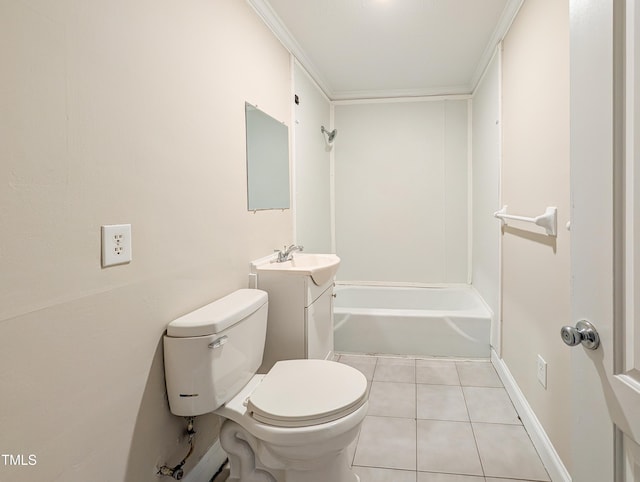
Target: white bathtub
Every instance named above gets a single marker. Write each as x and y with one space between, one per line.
450 321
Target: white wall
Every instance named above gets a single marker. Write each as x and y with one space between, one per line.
535 174
486 190
120 112
401 191
312 166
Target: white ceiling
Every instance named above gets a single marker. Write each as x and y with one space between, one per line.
358 49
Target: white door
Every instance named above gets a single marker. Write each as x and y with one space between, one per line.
605 238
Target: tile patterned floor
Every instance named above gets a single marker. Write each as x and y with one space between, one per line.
434 420
440 421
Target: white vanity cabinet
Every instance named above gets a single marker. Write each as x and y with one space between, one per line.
300 321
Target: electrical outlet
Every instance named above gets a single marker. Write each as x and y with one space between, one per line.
116 244
542 371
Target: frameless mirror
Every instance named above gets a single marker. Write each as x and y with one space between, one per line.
267 161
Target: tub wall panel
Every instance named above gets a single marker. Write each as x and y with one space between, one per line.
401 191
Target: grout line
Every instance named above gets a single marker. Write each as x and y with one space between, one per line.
473 432
466 405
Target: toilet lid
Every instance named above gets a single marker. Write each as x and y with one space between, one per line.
297 393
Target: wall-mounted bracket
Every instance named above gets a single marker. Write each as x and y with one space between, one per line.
548 220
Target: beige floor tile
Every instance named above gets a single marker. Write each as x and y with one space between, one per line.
506 451
395 370
490 405
441 402
447 447
366 364
392 399
478 374
437 372
431 477
387 449
387 442
373 474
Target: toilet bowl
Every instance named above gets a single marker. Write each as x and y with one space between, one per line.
296 434
293 424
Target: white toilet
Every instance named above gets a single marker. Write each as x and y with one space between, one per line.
291 425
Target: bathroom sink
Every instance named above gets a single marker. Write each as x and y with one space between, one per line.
321 267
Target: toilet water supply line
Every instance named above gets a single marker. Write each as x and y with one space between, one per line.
177 472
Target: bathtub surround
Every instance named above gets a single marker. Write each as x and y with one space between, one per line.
120 112
401 190
312 166
486 150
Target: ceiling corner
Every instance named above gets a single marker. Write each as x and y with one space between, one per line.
509 13
282 33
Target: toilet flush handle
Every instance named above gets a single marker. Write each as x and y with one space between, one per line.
219 342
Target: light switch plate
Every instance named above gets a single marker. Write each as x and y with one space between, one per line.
116 244
542 371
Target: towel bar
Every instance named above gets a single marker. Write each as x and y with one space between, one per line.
548 220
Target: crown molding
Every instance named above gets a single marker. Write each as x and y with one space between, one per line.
446 91
282 33
509 13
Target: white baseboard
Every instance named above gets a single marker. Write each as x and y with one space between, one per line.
208 465
550 458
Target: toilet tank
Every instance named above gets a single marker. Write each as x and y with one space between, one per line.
212 352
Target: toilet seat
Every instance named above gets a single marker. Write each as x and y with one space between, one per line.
300 393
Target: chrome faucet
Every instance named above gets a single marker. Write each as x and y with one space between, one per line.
286 254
